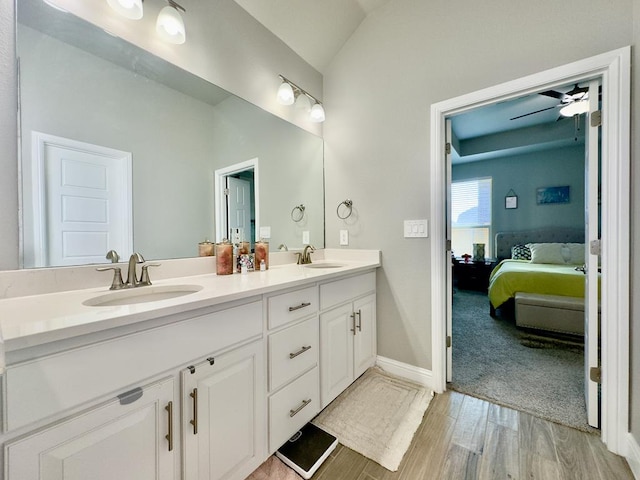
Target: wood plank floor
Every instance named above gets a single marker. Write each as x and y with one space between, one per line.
462 437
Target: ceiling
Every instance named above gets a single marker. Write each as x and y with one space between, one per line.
314 29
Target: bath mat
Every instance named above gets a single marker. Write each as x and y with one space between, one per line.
377 416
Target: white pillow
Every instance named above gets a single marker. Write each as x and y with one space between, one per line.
557 253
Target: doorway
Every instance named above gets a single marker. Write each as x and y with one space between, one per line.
237 202
613 68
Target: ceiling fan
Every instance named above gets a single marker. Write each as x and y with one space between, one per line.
576 94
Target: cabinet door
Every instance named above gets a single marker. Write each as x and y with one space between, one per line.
224 415
336 352
124 439
364 342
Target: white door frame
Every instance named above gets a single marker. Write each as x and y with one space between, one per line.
614 70
220 179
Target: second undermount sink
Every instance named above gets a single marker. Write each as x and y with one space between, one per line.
324 265
141 295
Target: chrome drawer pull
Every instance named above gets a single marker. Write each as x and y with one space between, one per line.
293 413
299 352
359 313
302 305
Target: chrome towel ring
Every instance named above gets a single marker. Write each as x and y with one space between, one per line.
297 213
348 209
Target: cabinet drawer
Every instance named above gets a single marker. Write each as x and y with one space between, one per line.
49 385
292 407
341 291
292 306
292 351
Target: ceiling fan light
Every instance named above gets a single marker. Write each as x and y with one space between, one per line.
170 25
575 108
131 9
317 113
285 94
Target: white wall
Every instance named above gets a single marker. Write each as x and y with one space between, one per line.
405 56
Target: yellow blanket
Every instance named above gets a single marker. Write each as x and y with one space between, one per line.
511 276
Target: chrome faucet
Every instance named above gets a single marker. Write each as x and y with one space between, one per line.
304 258
132 276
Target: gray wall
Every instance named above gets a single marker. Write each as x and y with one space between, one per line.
524 174
405 56
635 225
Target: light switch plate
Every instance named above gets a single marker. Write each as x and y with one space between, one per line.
305 237
265 232
416 228
344 237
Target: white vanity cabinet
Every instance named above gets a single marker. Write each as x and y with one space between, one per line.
129 438
347 332
223 416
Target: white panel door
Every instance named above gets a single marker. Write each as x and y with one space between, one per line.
85 202
223 415
592 327
336 352
239 205
127 441
448 262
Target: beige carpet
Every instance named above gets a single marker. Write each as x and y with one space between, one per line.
377 416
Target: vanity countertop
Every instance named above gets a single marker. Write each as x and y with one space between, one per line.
34 320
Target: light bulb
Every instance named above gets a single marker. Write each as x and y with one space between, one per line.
131 9
317 113
170 25
303 103
285 94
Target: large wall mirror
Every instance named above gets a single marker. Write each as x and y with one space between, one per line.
120 149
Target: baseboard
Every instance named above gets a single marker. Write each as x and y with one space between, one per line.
418 375
633 455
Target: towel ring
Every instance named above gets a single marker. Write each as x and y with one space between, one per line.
297 213
349 206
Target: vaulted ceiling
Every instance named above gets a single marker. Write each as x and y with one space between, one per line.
314 29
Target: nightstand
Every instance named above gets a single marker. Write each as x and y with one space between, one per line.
473 275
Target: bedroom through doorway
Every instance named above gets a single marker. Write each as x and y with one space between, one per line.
517 200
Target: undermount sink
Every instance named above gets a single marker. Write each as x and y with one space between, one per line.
324 265
141 295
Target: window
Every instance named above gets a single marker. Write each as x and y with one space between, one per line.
470 215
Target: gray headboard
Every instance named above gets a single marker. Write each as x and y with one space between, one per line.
506 240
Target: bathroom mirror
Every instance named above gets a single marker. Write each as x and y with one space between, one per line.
89 101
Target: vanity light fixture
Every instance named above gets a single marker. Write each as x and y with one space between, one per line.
170 25
131 9
290 93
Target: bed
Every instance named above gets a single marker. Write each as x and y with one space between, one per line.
547 286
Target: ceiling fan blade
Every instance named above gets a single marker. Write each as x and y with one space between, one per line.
531 113
577 91
553 94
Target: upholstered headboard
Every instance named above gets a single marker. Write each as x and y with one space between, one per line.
506 240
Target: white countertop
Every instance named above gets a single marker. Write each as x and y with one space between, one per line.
38 319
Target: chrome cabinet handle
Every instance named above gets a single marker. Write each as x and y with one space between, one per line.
359 313
293 413
298 307
299 352
353 318
169 436
194 422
